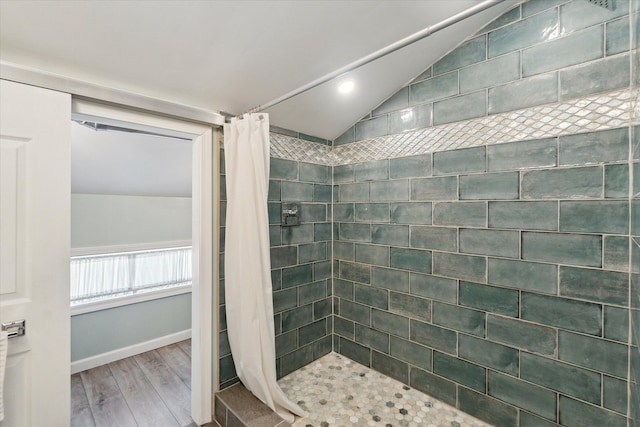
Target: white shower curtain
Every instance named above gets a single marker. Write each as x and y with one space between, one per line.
247 262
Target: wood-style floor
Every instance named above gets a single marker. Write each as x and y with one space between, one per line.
150 389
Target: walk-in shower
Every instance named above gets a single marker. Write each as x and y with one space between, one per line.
475 237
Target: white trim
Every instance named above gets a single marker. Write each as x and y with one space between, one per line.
126 117
203 302
40 78
99 250
114 302
204 193
132 350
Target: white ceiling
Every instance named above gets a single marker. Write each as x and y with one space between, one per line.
234 55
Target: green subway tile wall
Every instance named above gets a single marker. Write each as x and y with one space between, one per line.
503 279
509 290
301 267
540 52
520 296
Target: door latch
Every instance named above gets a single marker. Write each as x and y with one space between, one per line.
16 328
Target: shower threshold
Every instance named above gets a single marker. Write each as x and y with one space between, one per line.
336 391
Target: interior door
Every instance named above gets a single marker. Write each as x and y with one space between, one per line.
35 139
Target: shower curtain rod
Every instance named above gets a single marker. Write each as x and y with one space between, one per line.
380 53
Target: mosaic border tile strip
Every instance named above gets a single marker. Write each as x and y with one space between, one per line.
290 148
587 114
300 150
336 391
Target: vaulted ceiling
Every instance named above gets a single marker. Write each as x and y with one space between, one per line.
234 55
131 164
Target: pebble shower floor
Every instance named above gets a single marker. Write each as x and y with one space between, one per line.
336 391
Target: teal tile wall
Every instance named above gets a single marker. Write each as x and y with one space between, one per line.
500 282
539 52
634 259
595 77
528 92
434 88
458 108
497 278
467 53
494 72
527 396
459 161
299 135
301 267
522 302
577 48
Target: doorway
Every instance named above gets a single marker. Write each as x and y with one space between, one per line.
203 170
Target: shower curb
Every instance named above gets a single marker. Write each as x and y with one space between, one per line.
235 406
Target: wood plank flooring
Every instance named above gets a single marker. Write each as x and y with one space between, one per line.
150 389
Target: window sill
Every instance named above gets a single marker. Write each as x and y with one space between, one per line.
120 301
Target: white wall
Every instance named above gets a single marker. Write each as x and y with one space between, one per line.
109 220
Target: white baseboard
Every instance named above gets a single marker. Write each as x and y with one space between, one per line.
132 350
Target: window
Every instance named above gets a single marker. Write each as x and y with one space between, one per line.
106 276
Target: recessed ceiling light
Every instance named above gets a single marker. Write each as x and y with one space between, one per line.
346 87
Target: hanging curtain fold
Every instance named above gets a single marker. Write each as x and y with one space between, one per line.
247 264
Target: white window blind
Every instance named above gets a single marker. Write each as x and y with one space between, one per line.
97 277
